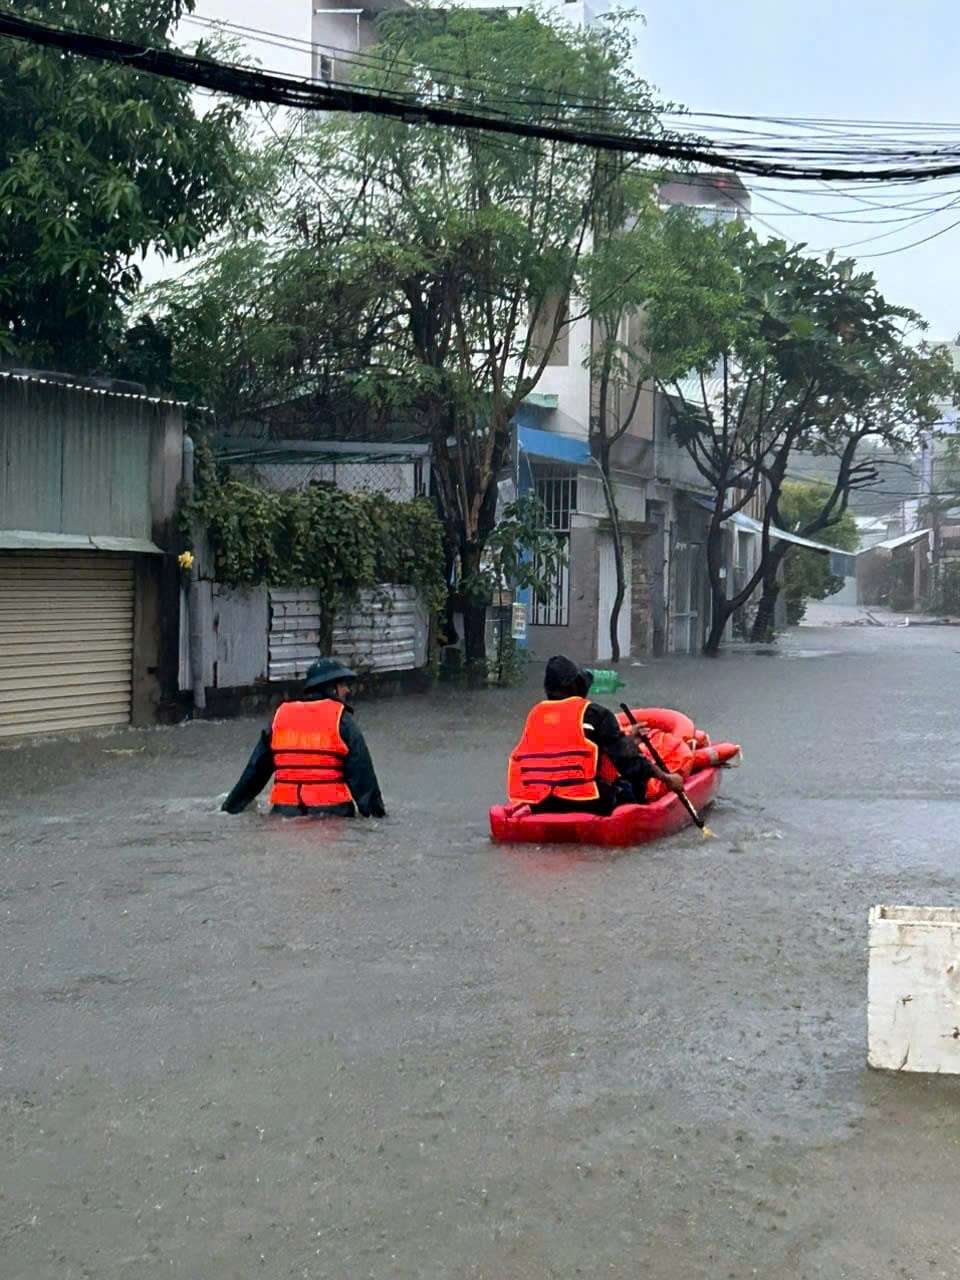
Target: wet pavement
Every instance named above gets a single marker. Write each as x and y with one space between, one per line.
236 1047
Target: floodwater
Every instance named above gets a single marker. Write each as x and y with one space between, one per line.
239 1047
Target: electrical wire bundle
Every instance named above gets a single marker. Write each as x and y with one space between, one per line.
889 156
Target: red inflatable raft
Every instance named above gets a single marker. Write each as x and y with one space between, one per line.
683 747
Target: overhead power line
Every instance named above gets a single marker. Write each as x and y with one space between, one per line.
906 164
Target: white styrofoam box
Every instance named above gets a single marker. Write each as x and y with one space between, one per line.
913 1015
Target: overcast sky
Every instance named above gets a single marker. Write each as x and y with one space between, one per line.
863 59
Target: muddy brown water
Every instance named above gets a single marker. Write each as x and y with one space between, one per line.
237 1047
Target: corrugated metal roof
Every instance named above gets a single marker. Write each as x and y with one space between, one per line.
904 540
99 391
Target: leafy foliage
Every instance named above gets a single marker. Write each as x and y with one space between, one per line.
337 541
263 322
97 165
522 552
419 274
807 354
807 573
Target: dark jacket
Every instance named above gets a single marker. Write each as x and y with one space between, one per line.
602 727
358 772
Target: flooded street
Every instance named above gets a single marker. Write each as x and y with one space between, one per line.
236 1048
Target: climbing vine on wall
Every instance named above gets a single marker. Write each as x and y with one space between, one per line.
319 537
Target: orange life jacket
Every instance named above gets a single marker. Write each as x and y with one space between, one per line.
308 754
554 757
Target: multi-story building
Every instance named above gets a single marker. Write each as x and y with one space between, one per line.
661 497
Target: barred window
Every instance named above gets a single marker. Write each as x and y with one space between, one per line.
556 487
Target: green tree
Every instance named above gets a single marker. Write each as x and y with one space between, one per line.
98 165
297 318
807 573
480 238
618 277
892 403
794 343
522 553
420 273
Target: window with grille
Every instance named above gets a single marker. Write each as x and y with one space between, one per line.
556 487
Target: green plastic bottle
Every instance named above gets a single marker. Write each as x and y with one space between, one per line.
604 681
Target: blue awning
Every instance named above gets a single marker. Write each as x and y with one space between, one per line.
549 444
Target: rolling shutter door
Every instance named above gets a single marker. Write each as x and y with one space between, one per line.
66 641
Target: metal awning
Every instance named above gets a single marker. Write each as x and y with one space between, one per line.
741 521
550 444
904 540
38 540
783 535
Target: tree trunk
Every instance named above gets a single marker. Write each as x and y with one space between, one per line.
720 609
617 605
475 637
614 513
721 615
474 615
762 631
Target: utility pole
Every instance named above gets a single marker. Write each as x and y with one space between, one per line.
934 507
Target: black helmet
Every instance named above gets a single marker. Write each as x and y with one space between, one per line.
326 671
566 679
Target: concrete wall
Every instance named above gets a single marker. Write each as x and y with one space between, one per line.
570 381
338 37
639 599
579 638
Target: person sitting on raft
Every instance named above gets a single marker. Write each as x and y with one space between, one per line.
573 756
322 764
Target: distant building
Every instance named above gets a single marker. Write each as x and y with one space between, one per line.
339 32
717 197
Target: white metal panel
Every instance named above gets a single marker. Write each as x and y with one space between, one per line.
66 641
387 630
294 632
913 1018
241 624
683 614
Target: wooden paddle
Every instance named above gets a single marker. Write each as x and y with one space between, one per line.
658 761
